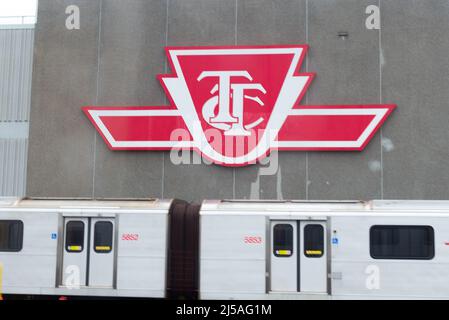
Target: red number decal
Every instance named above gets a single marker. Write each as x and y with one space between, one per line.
252 240
130 237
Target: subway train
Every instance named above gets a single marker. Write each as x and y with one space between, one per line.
224 249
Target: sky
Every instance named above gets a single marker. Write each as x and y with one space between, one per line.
18 8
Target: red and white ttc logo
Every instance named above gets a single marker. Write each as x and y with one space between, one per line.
234 105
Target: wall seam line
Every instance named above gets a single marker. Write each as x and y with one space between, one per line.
306 95
97 95
380 101
165 97
235 43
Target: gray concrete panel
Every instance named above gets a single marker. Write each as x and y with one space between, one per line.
270 181
199 22
196 182
271 22
415 76
133 34
347 72
60 162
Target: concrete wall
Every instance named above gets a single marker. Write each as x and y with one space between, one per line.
114 58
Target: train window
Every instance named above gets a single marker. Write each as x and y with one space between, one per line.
74 241
402 242
313 240
11 235
283 240
103 237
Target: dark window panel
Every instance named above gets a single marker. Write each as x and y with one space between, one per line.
103 236
283 240
11 235
74 241
402 242
313 240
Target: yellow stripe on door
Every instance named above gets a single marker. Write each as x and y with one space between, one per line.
314 252
102 248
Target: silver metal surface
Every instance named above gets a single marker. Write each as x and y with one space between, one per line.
59 251
101 264
13 166
116 240
268 242
284 269
16 61
328 249
74 264
312 270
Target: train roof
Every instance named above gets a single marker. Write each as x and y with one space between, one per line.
84 204
319 206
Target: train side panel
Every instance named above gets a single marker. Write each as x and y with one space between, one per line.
357 275
142 253
233 251
34 267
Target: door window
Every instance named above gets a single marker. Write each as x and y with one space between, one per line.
74 236
103 237
313 240
283 240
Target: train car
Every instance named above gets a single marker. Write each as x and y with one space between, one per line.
102 248
225 249
324 250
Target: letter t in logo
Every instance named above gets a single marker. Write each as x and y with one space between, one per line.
224 86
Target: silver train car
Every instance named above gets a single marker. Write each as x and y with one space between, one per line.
324 250
83 247
225 249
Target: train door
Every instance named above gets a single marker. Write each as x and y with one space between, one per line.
88 254
312 256
101 257
284 261
75 251
298 256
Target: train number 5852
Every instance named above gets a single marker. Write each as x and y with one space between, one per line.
130 237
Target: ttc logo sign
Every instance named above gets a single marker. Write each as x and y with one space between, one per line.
234 105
